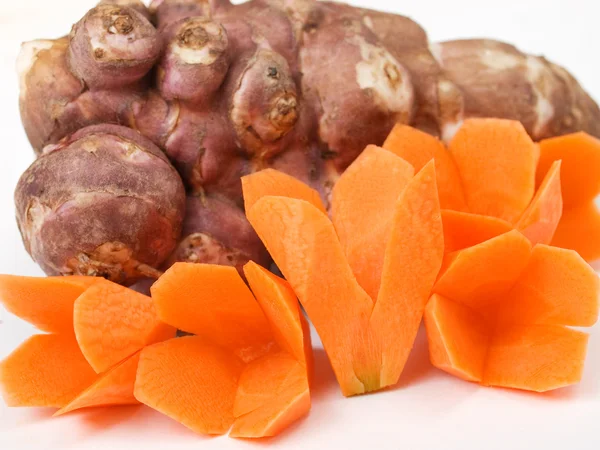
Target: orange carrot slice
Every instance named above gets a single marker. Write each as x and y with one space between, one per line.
478 276
418 148
497 161
115 387
215 303
280 306
539 221
272 394
413 258
579 230
191 381
273 182
580 172
303 243
556 288
113 322
363 205
463 230
46 370
46 303
535 357
458 338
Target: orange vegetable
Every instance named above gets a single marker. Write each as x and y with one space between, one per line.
418 148
462 230
46 303
113 322
579 230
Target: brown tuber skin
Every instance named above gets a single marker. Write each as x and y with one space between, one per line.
103 202
298 85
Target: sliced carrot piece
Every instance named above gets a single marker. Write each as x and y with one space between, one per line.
363 205
46 370
535 357
303 243
280 306
273 393
458 338
46 303
463 230
418 148
191 381
539 221
114 387
273 182
478 276
113 322
214 302
556 288
497 161
579 230
413 258
580 172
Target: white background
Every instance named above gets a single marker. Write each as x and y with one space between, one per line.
428 410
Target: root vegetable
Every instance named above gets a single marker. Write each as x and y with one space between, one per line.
103 202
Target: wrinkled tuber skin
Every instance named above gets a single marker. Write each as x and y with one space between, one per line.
215 231
298 85
103 202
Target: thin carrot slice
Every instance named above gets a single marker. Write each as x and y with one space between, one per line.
497 161
191 381
418 148
363 205
214 302
580 172
273 182
46 303
272 394
463 230
303 243
479 276
47 370
535 357
458 338
556 288
114 387
280 306
413 258
113 322
539 221
579 230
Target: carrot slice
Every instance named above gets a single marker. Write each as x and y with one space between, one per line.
273 182
579 230
191 381
580 172
115 387
535 357
418 148
214 302
113 322
46 370
363 206
539 221
272 394
280 306
458 338
463 230
303 243
556 288
478 276
497 161
46 303
413 258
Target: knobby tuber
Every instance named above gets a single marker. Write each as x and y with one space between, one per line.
297 85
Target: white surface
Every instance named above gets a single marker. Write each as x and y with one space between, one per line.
428 410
